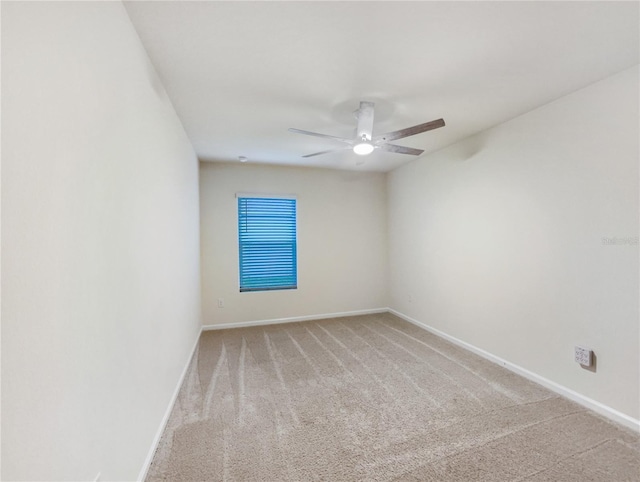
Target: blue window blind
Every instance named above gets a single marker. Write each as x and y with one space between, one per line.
267 240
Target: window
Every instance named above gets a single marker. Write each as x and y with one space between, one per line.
267 243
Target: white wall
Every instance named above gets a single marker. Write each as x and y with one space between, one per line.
498 239
342 241
100 248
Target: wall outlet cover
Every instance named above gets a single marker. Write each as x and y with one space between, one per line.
583 356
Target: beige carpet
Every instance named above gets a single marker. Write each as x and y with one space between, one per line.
373 398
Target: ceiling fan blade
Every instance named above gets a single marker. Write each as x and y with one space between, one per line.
410 131
325 152
316 134
401 149
365 121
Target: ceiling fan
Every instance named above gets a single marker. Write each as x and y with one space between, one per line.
365 142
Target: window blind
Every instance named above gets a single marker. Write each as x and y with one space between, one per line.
267 242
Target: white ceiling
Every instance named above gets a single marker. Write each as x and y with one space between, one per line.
240 73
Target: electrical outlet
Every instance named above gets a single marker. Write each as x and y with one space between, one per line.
583 356
410 299
220 302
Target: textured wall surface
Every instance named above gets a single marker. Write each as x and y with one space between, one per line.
523 241
100 245
342 241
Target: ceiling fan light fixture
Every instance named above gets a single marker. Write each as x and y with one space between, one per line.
365 142
363 149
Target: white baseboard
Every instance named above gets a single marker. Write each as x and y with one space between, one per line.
587 402
275 321
154 446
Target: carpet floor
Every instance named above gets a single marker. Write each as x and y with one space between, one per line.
374 398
